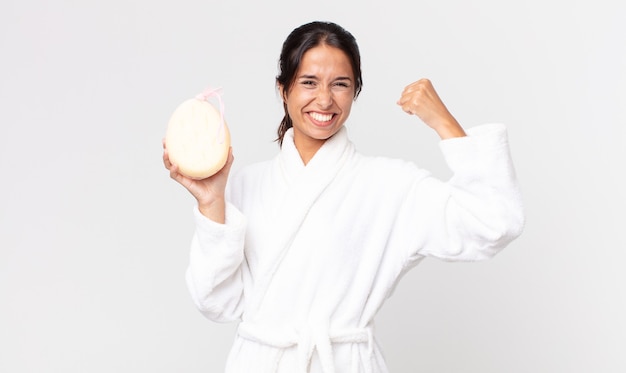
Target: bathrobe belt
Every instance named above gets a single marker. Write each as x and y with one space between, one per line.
310 339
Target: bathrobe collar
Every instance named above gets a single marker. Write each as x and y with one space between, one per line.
305 184
326 161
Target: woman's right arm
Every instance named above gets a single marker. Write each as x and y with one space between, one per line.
216 264
214 275
209 192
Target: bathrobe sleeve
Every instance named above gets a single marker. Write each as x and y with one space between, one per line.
214 274
477 212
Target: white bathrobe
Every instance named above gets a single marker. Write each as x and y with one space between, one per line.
309 254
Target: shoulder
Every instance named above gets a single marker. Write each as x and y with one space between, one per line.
249 173
390 168
240 180
383 175
250 170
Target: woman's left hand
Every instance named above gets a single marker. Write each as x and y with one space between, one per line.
421 99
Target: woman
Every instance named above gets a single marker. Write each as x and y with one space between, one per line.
304 249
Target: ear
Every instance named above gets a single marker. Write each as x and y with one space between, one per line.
282 92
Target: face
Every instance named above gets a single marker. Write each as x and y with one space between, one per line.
320 99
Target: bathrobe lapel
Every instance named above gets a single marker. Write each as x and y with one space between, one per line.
305 184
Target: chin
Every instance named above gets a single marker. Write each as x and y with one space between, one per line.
329 130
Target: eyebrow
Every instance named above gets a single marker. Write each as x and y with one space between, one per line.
305 76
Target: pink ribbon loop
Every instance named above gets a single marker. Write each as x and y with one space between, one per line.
216 93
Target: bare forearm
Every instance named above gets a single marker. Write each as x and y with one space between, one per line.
421 99
450 129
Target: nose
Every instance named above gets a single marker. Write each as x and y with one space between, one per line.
324 97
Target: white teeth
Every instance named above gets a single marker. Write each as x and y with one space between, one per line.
321 117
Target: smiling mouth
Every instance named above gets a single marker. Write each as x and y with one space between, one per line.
322 118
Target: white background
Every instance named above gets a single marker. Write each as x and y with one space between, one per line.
94 235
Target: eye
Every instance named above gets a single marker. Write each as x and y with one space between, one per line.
308 83
342 84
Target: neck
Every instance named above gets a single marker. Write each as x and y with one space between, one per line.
308 149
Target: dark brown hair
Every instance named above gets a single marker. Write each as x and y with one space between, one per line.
302 39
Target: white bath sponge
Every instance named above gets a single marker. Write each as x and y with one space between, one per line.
197 138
